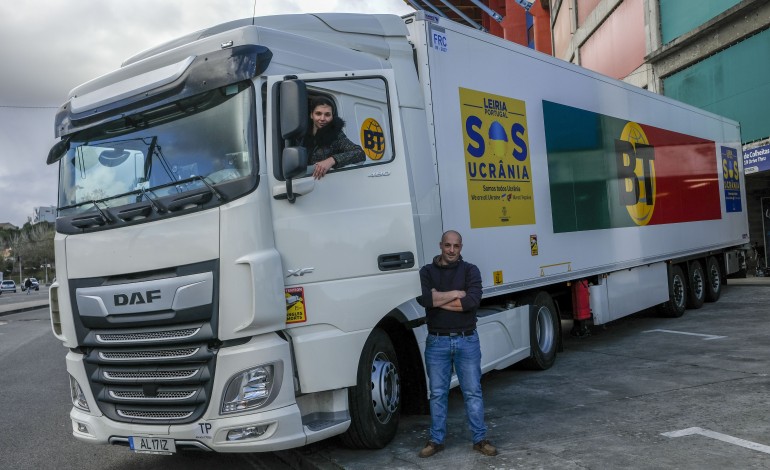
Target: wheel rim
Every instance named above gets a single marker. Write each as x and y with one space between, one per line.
544 329
678 285
714 277
698 284
386 388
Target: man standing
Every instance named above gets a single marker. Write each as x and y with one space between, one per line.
451 293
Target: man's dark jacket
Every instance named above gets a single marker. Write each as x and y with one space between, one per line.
454 276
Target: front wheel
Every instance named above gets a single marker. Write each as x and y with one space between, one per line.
543 331
375 402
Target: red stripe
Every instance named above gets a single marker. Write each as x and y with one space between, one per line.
686 177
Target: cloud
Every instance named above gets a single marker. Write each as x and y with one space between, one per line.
48 47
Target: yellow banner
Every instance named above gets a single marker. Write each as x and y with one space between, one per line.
497 160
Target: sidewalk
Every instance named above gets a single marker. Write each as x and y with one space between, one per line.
749 281
7 309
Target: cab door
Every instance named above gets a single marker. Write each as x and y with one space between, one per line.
347 242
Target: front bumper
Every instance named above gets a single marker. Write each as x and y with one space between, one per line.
282 417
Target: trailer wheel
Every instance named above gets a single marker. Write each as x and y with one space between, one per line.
677 294
543 331
696 285
713 280
375 400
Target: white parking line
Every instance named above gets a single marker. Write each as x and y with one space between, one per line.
720 437
705 337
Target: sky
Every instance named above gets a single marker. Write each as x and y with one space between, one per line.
48 47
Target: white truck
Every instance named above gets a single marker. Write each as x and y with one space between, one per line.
214 296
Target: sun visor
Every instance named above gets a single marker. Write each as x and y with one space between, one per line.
129 87
193 75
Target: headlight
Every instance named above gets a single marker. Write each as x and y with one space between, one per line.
248 389
77 395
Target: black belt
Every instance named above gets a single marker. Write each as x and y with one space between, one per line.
458 333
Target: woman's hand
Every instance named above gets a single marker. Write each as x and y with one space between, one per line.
323 167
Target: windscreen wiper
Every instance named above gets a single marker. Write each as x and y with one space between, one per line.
91 220
155 203
214 190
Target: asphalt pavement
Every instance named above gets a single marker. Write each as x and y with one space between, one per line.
642 392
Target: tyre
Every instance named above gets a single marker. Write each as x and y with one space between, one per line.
713 280
696 285
543 331
677 294
375 401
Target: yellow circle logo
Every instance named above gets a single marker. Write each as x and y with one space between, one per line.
641 211
373 139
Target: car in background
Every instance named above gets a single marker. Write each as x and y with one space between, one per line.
7 286
35 284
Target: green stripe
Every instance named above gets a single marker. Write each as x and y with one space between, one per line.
582 170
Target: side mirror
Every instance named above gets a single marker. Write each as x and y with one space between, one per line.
293 109
58 150
293 162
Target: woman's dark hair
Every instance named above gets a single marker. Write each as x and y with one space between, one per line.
322 101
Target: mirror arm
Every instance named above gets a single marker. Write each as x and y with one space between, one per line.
290 196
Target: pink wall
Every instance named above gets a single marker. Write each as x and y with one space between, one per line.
584 8
562 31
618 46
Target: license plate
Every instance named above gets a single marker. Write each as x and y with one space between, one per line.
152 445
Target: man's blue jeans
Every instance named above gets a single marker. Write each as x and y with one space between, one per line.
464 352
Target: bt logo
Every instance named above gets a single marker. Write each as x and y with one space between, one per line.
635 159
373 139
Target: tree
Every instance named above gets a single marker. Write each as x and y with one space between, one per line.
31 247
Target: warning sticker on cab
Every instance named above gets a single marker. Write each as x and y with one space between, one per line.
295 305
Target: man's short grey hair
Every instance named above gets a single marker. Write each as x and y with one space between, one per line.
443 236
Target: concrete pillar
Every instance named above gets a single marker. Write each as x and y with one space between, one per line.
515 23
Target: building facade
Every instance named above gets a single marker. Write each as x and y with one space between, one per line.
44 214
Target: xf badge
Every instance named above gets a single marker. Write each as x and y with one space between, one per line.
299 272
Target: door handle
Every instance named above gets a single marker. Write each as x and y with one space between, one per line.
393 261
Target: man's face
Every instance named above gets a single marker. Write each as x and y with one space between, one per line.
321 116
450 248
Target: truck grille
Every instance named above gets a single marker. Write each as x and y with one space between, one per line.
148 355
154 415
123 338
149 385
139 376
121 395
150 362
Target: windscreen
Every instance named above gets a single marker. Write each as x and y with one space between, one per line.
204 140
